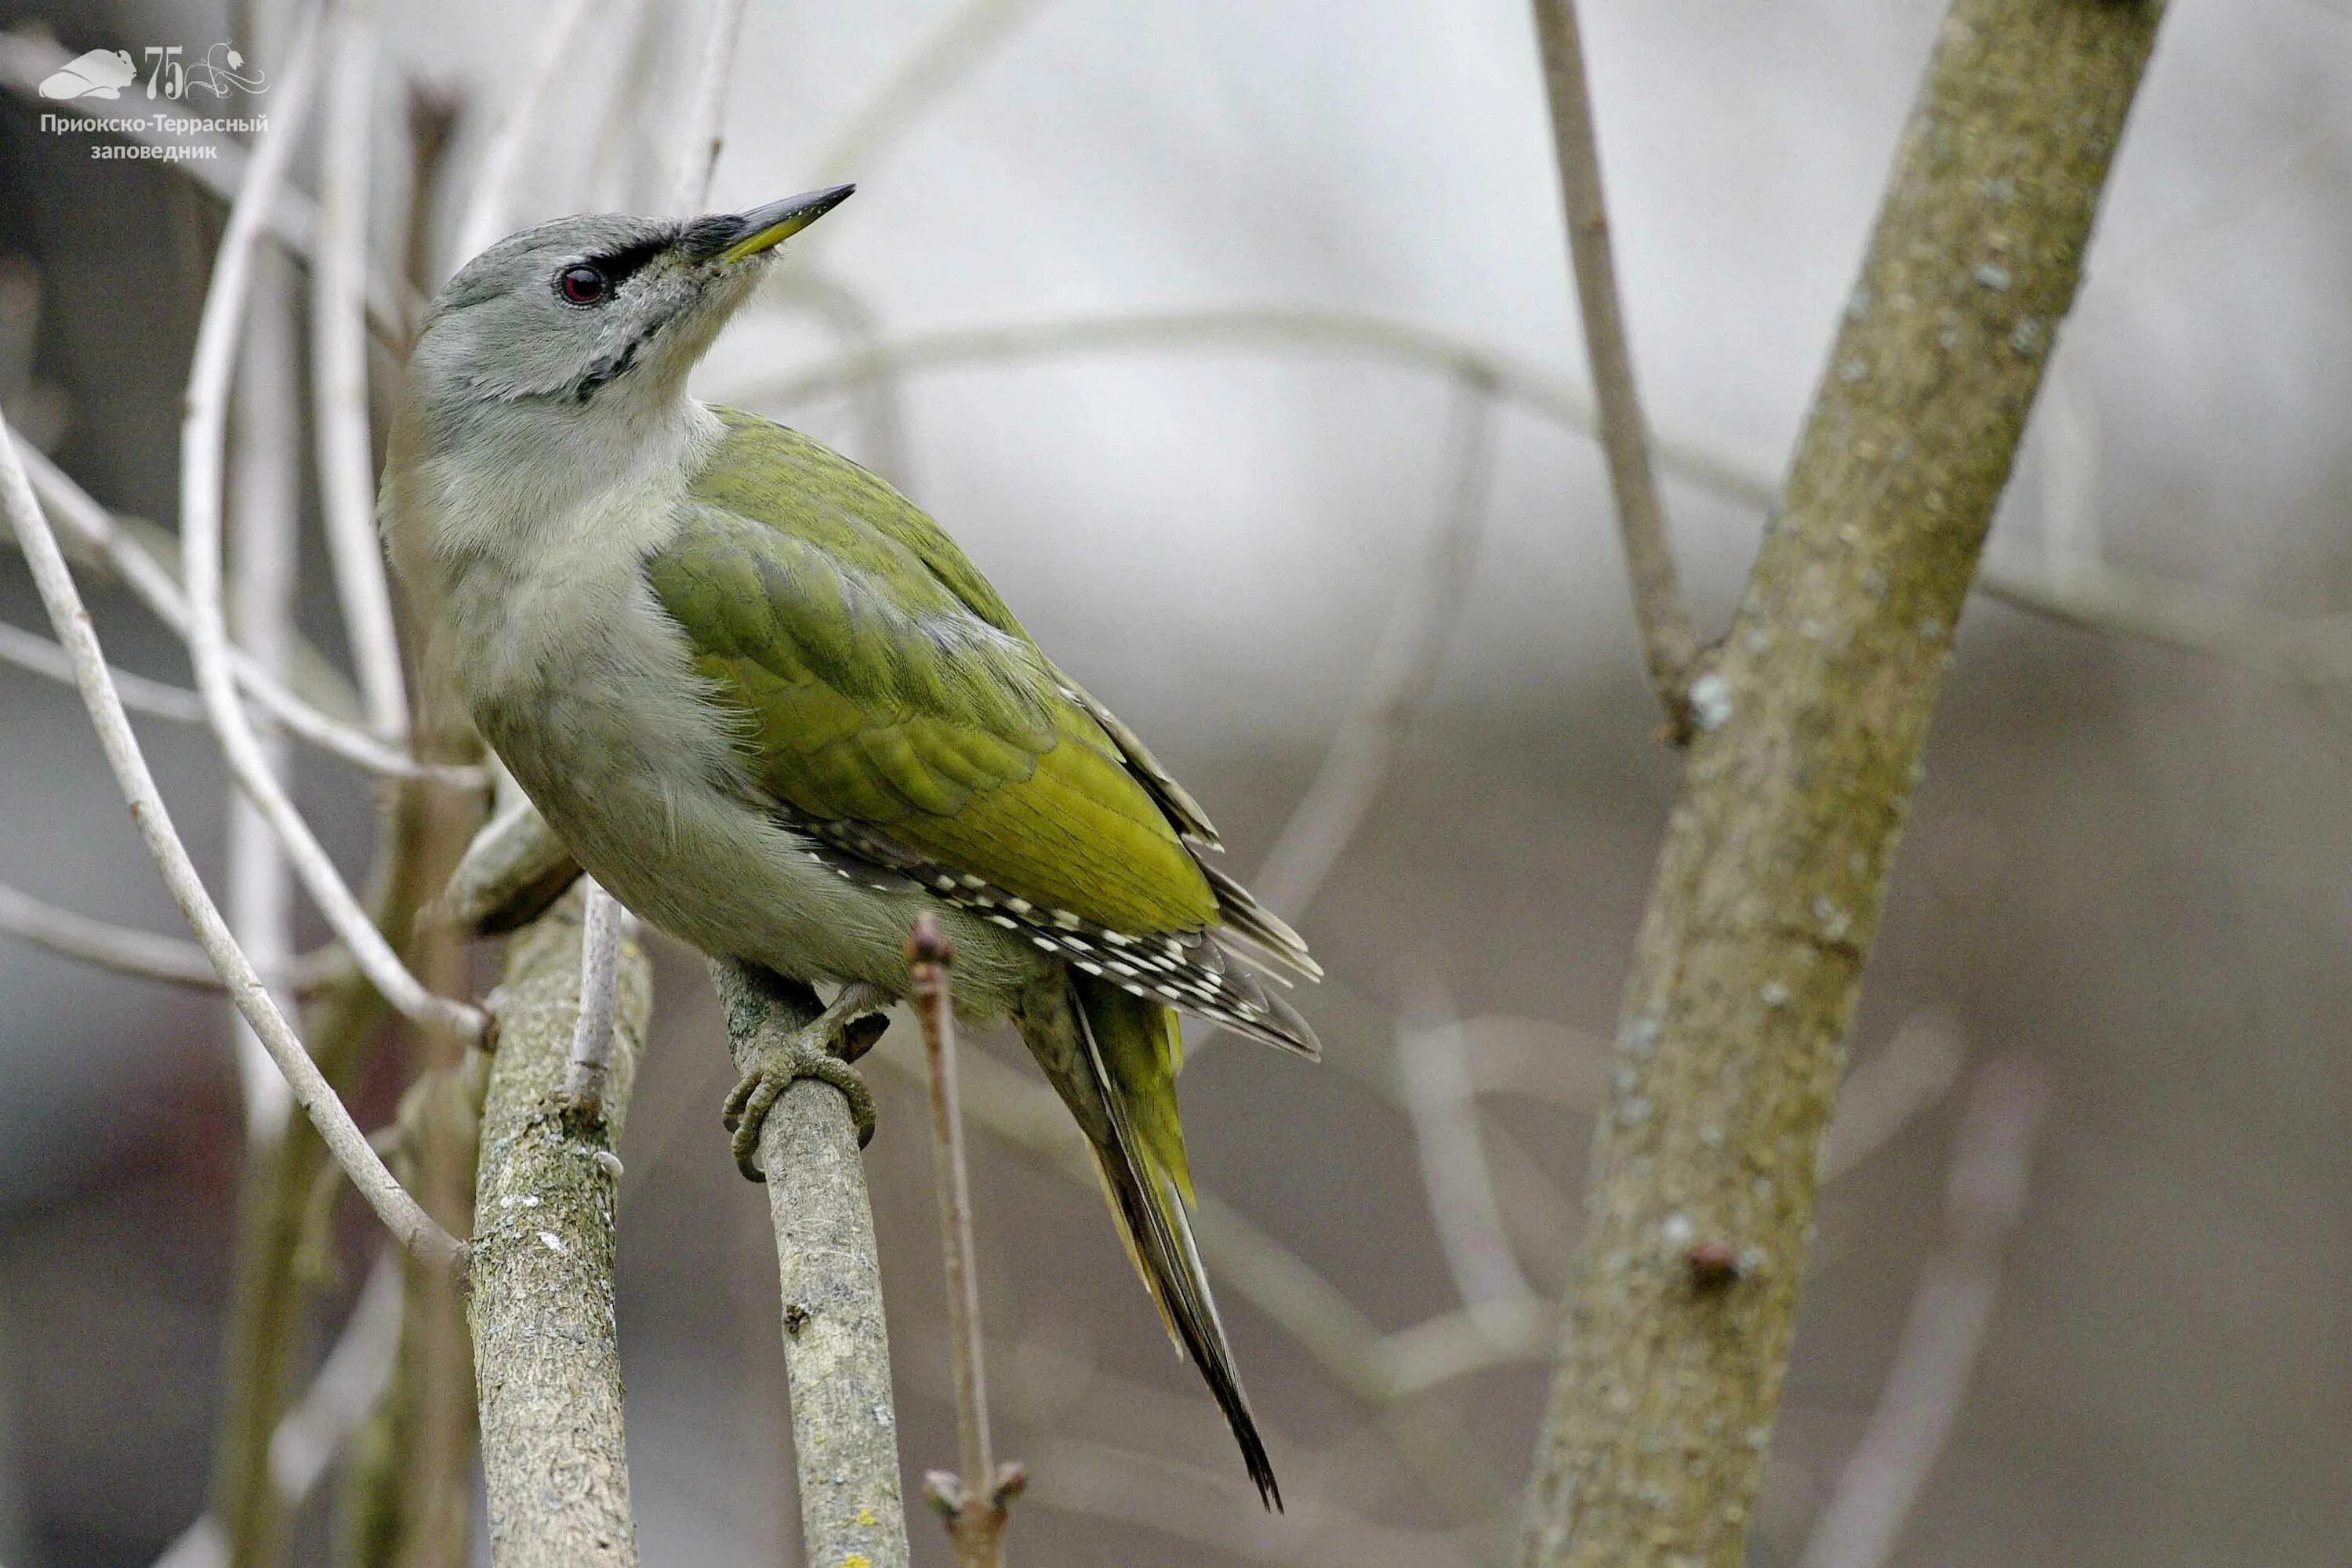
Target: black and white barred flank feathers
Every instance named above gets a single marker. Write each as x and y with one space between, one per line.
1190 971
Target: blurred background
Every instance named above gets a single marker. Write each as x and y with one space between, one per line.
2123 890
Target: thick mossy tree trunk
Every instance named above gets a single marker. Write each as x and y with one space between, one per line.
1810 729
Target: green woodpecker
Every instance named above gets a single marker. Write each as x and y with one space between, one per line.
774 710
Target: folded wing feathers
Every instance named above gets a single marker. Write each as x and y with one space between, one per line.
1189 970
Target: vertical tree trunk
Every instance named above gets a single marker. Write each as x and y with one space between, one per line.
1775 866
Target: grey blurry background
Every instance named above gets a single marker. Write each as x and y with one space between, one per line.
2127 863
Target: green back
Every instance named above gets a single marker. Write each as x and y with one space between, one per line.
882 684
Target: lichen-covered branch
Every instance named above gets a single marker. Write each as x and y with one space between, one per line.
1776 862
837 1345
546 1357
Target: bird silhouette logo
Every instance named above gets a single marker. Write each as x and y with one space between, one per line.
100 73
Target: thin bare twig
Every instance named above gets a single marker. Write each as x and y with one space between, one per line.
603 925
1404 667
409 1223
2312 650
1434 1070
705 120
311 1434
1257 328
44 656
490 206
339 377
1193 1503
144 953
200 532
1669 641
1921 1398
256 892
98 534
974 1503
958 43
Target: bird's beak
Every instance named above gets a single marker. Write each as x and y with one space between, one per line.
765 228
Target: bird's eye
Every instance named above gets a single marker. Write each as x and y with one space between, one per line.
583 284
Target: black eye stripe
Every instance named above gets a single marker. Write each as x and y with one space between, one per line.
617 264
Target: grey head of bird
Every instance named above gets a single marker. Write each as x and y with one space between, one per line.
585 315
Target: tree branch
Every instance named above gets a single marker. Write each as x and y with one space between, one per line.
45 657
836 1344
1669 642
339 377
706 109
2106 598
547 1362
489 205
143 953
1777 856
589 1066
200 536
99 534
1403 669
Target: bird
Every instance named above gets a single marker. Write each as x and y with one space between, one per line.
777 713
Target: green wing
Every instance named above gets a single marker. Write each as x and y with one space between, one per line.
883 689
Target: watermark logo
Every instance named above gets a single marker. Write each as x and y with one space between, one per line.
170 77
104 73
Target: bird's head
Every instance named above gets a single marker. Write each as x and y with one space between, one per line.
598 308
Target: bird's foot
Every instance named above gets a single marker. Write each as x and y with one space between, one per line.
823 1049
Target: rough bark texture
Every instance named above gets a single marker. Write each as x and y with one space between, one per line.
1775 866
547 1358
836 1347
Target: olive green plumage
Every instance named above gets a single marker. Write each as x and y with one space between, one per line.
883 682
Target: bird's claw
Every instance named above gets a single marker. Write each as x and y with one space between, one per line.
823 1051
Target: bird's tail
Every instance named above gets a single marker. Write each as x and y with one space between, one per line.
1114 1058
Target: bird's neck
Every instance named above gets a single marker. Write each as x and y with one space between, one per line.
501 485
490 509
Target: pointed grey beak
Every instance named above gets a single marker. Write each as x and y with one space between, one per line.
765 228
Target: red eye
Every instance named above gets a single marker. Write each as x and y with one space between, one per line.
583 285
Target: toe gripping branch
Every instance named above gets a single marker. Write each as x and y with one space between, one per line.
822 1049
